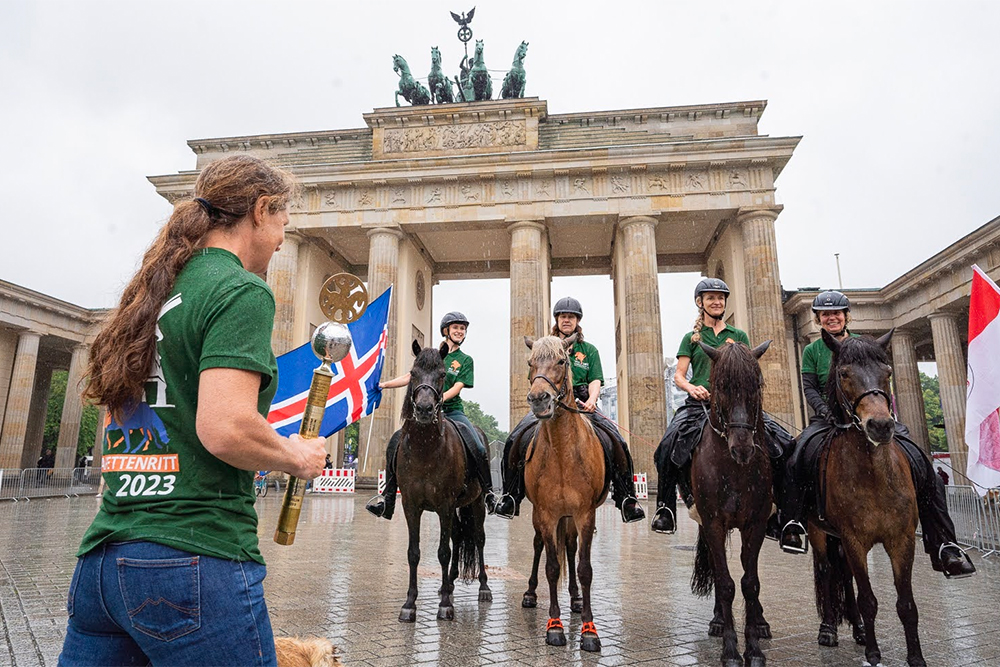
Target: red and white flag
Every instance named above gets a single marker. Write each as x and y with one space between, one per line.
982 412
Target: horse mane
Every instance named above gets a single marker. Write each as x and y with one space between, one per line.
429 359
738 372
853 351
547 347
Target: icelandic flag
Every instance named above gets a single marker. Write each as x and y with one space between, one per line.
982 419
354 391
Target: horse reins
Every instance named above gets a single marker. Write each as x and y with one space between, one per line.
438 396
852 410
723 432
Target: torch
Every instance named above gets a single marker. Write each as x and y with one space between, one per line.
343 298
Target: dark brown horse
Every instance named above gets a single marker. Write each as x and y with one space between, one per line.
564 480
731 484
868 498
433 475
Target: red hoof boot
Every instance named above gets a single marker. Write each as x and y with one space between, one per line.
589 641
554 635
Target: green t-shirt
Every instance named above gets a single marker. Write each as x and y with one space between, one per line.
162 484
586 362
701 365
457 368
817 357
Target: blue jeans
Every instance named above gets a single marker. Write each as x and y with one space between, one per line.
140 603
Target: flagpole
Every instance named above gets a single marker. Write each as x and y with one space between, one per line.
371 421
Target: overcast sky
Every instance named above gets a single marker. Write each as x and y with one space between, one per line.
897 102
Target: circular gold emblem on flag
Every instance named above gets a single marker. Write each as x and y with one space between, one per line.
343 298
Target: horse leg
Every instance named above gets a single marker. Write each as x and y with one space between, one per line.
900 552
554 634
589 641
446 612
857 558
408 614
725 592
575 601
826 578
755 627
851 610
530 599
485 594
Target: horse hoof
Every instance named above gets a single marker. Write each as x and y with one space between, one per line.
529 601
715 629
555 638
407 615
486 596
732 662
756 661
446 613
827 638
859 635
590 642
576 605
763 631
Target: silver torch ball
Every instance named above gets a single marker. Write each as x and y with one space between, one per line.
331 341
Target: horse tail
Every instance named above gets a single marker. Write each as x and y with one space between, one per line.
466 553
703 577
831 576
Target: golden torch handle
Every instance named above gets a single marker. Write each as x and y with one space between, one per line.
291 504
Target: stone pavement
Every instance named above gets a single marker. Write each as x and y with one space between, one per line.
345 578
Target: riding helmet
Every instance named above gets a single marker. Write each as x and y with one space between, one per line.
454 317
711 285
831 300
568 304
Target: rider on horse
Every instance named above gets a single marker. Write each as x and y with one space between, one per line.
587 380
832 312
458 375
673 455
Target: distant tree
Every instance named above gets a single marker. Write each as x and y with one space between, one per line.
351 438
484 421
53 418
933 413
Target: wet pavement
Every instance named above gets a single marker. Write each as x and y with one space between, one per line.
345 578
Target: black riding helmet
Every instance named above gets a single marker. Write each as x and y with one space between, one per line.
831 300
568 304
711 285
454 317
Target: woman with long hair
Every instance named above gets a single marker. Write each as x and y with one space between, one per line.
170 570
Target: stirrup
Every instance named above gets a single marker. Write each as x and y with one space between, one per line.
787 548
640 514
673 519
960 550
499 504
376 505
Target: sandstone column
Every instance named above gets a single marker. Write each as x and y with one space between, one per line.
35 433
99 438
952 380
15 423
763 300
646 394
909 395
529 304
281 276
383 266
69 425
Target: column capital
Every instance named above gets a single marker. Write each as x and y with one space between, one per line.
28 333
526 224
748 213
943 315
628 220
388 231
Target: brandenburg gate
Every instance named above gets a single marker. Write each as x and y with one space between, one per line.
503 189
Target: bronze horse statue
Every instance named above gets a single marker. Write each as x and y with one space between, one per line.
866 497
564 479
438 82
513 82
434 476
731 484
412 90
482 85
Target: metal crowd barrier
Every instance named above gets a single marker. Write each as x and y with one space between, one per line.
976 518
10 483
27 483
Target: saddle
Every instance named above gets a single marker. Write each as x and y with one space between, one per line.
471 450
524 434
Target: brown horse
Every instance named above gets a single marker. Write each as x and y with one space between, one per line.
868 497
564 480
433 474
731 484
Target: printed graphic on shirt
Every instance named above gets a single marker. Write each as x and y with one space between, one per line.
455 367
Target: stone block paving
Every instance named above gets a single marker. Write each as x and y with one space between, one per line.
345 578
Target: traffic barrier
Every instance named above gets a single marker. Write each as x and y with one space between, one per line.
339 480
10 484
381 483
641 486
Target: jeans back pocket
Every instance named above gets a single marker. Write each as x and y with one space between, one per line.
162 596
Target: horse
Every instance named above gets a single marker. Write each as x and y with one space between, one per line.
433 474
731 484
867 496
439 84
564 479
513 82
482 85
412 90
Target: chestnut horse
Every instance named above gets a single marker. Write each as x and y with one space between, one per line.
433 474
868 498
731 484
564 480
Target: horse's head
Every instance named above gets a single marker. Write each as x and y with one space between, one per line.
736 396
479 50
399 64
858 386
435 56
521 52
423 396
549 373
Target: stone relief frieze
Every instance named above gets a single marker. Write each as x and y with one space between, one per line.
468 135
620 184
434 196
580 186
657 183
398 195
331 199
695 180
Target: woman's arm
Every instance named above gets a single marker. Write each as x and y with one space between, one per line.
814 395
453 391
232 430
395 383
594 393
680 379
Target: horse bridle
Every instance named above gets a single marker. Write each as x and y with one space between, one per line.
852 409
438 396
561 391
723 432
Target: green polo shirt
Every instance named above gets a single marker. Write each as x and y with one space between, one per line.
817 358
586 361
701 365
458 367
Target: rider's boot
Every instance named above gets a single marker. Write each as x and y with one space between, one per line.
665 517
513 482
623 493
952 561
385 504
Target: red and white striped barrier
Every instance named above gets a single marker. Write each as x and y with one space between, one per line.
381 483
641 486
339 480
